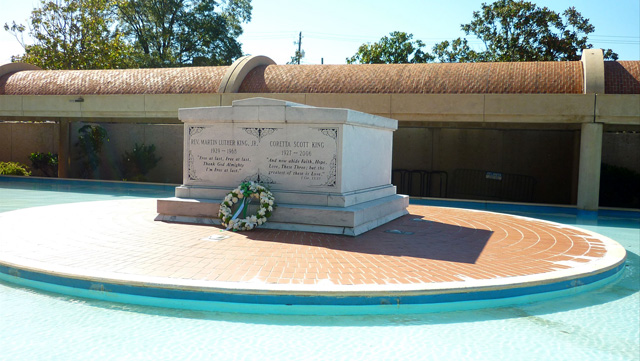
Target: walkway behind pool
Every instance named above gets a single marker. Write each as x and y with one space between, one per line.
431 250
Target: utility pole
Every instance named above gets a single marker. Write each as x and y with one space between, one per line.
299 53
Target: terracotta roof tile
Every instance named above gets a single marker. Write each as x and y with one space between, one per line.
622 77
524 77
436 78
117 81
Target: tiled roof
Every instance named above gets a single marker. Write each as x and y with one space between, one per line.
524 77
116 81
437 78
622 77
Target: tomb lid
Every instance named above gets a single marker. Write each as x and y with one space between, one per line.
262 102
266 110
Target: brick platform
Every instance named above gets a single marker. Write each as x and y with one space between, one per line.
430 250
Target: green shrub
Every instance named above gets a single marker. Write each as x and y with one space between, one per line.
139 162
45 162
14 168
90 141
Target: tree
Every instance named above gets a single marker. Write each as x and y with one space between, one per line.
457 50
89 145
96 34
399 48
136 165
517 30
184 32
47 163
73 34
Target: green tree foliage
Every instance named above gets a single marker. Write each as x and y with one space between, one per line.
397 48
89 145
14 168
73 34
511 30
456 51
517 30
184 32
47 163
139 162
107 34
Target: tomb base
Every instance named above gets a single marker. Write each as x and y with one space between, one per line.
296 197
351 220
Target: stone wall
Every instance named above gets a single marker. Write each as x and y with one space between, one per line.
546 157
19 139
622 149
123 137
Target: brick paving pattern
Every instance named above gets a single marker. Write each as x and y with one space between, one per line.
430 245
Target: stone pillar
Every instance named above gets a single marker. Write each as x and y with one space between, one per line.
238 71
15 67
63 149
593 71
590 161
591 134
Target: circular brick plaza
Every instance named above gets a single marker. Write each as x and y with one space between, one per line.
431 255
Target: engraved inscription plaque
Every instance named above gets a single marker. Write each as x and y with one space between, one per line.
292 157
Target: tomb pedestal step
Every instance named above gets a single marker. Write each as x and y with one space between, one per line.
351 221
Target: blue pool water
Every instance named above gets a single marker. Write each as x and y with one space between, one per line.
597 325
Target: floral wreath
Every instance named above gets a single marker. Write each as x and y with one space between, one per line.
243 194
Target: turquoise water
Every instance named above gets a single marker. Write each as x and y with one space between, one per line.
18 192
598 325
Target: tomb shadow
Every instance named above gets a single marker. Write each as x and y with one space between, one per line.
407 236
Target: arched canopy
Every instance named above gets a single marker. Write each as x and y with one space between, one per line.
621 77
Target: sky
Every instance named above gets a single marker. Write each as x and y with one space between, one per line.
332 30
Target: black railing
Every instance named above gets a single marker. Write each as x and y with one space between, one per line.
420 183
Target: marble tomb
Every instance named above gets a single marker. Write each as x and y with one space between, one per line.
329 169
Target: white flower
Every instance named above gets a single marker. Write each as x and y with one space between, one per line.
245 192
